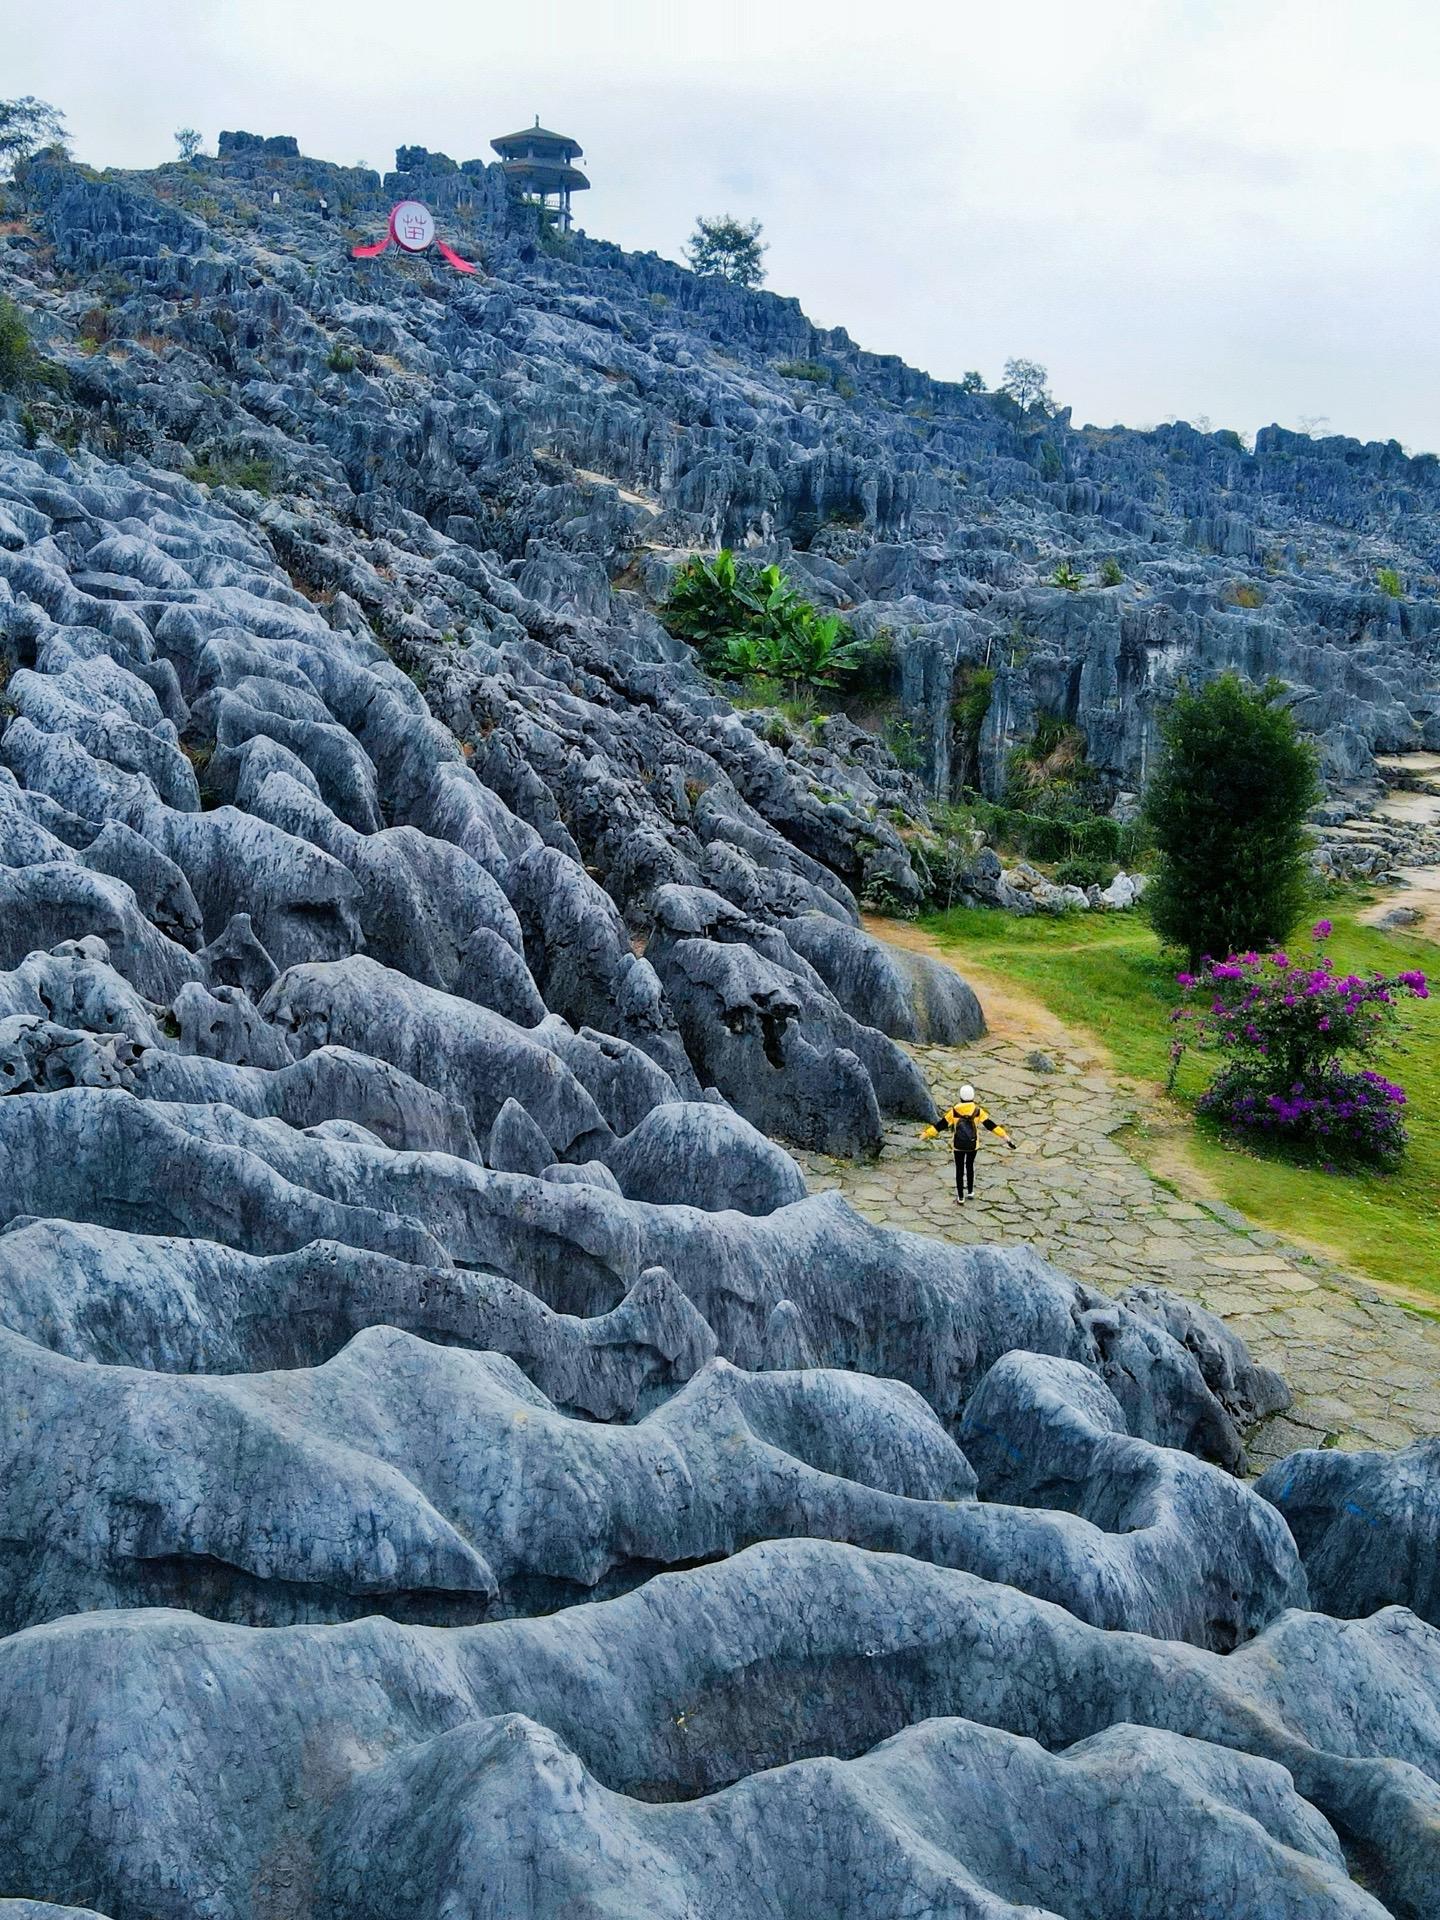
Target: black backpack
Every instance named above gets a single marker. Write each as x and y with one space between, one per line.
967 1132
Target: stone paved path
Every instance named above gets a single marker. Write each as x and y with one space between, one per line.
1364 1371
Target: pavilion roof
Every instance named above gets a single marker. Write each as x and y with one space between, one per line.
537 136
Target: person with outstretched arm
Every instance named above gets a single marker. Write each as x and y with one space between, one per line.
966 1118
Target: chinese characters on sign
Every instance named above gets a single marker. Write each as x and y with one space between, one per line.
412 226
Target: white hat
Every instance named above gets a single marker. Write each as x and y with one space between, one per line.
967 1093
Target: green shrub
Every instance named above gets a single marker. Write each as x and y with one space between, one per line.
876 677
1111 574
904 746
812 370
1243 593
1389 581
1061 836
747 621
1097 839
1067 577
968 708
17 355
256 474
1227 805
340 359
880 895
1050 775
1078 871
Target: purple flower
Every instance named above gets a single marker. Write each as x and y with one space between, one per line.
1322 930
1184 979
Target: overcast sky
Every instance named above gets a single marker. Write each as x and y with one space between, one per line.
1227 209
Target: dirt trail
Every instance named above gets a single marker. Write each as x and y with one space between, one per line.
1009 1010
1422 892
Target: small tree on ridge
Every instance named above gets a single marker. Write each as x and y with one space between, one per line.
27 125
728 247
1027 384
1227 805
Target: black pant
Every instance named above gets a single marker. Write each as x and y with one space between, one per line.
964 1171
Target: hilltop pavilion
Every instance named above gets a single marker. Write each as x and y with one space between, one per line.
541 163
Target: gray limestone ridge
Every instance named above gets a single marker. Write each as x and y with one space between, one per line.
448 1466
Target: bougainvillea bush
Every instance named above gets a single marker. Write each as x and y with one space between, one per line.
1293 1032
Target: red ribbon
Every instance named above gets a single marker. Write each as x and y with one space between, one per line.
449 253
460 266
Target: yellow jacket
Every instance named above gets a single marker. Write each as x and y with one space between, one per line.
967 1110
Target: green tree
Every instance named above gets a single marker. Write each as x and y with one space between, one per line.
189 142
973 382
1389 581
1226 806
729 248
27 125
1027 384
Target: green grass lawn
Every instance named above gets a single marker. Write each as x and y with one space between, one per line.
1103 974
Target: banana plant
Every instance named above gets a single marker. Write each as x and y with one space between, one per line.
748 620
820 651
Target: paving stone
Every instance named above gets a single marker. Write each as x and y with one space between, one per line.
1358 1363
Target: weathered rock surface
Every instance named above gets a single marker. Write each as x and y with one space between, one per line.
1045 1432
849 1647
193 1306
1367 1525
891 1304
968 1819
443 1485
44 1910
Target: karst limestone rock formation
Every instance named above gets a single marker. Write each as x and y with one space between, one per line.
448 1465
